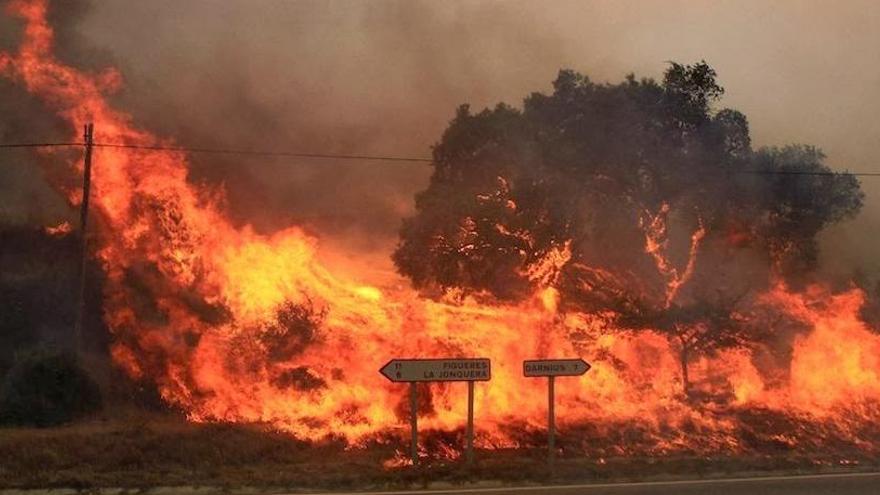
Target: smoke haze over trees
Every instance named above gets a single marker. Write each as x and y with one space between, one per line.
589 165
348 77
386 84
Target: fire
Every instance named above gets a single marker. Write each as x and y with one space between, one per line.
838 362
60 230
236 326
656 244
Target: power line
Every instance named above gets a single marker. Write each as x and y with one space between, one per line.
220 151
332 156
38 145
264 153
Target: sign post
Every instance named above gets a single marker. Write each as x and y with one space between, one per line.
413 371
414 422
551 368
551 418
469 449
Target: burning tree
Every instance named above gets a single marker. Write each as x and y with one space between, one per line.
622 185
698 328
582 165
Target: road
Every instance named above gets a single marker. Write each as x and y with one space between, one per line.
830 484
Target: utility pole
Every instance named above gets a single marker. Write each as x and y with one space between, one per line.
83 232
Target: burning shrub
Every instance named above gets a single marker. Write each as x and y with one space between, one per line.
300 378
47 389
294 328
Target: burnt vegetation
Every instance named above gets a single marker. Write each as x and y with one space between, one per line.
295 327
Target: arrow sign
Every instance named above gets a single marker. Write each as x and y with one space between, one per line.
551 368
555 367
438 370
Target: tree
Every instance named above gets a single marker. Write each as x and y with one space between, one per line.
589 170
697 328
583 166
797 199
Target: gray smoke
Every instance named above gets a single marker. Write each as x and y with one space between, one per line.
384 77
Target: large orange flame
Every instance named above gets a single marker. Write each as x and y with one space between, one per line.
237 326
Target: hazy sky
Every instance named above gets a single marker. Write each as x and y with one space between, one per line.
386 76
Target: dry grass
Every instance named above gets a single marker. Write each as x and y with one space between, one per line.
141 451
165 451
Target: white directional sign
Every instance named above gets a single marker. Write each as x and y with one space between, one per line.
438 370
551 368
555 367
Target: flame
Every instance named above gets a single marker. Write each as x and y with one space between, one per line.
60 230
236 326
838 361
657 243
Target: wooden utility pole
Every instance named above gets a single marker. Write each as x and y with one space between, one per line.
83 232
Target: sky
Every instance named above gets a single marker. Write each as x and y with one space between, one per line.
385 77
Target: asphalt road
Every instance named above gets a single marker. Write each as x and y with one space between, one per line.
832 484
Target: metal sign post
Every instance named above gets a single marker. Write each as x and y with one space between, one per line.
551 418
551 368
414 421
469 449
413 371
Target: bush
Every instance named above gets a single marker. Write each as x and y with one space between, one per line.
47 389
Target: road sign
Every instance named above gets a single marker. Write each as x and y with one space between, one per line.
438 370
555 367
551 368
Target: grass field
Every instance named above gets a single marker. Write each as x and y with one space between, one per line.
159 450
